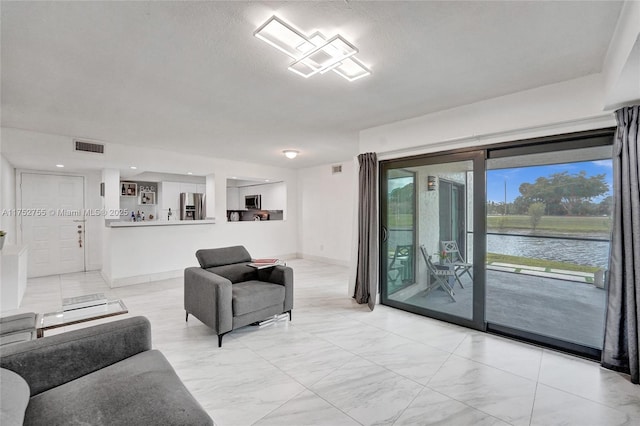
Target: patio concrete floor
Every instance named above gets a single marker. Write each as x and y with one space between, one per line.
566 310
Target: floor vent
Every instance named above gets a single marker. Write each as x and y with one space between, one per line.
89 147
336 169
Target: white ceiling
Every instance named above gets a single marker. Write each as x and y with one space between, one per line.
190 76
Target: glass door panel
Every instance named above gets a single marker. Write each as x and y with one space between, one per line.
427 261
401 228
548 228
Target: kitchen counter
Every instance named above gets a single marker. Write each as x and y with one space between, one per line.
121 224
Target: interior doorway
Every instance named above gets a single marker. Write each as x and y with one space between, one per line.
52 223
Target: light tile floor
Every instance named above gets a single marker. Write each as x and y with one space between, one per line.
337 363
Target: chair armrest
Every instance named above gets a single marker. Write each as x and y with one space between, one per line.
52 361
282 275
208 297
279 274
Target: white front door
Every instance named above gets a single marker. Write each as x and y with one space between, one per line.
52 219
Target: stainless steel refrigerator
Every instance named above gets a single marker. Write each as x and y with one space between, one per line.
192 206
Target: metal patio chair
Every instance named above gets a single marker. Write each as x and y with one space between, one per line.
440 274
455 258
402 260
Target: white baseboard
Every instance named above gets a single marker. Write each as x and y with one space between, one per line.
141 279
325 260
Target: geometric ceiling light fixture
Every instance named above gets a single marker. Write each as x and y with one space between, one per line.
315 54
284 37
352 69
325 57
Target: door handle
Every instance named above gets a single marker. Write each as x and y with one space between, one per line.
79 235
384 234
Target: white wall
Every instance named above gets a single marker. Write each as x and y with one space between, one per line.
8 201
94 224
622 64
233 199
327 202
570 106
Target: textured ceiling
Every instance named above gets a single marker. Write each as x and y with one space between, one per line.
190 76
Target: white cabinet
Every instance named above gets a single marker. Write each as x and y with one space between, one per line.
233 199
170 199
188 187
14 276
201 188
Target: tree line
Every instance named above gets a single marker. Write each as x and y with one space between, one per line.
561 194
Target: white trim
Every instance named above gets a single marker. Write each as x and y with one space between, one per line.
323 259
141 279
589 123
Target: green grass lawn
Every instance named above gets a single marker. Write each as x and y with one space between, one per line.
400 220
564 224
554 224
548 264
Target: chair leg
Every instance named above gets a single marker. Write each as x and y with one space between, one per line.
443 284
458 280
220 339
186 318
289 312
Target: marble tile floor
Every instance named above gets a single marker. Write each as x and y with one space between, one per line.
337 363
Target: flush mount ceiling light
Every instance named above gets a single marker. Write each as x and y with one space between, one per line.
315 54
290 153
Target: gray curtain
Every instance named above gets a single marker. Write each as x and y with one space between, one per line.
366 287
620 349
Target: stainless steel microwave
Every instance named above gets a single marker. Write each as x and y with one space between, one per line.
252 202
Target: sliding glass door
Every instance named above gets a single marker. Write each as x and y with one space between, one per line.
513 239
428 236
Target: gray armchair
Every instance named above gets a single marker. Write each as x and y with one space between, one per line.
226 293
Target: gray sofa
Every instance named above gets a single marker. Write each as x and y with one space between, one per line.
226 293
19 327
101 375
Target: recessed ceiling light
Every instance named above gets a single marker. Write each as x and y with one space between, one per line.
60 165
133 167
189 173
290 153
233 177
266 180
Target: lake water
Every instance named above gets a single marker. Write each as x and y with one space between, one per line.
591 253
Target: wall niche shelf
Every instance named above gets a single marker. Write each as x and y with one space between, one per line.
128 189
147 198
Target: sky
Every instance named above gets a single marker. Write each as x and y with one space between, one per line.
515 177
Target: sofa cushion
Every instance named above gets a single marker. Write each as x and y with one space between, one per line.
236 273
14 394
140 390
251 296
222 256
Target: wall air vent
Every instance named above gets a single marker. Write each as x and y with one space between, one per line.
336 169
83 146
